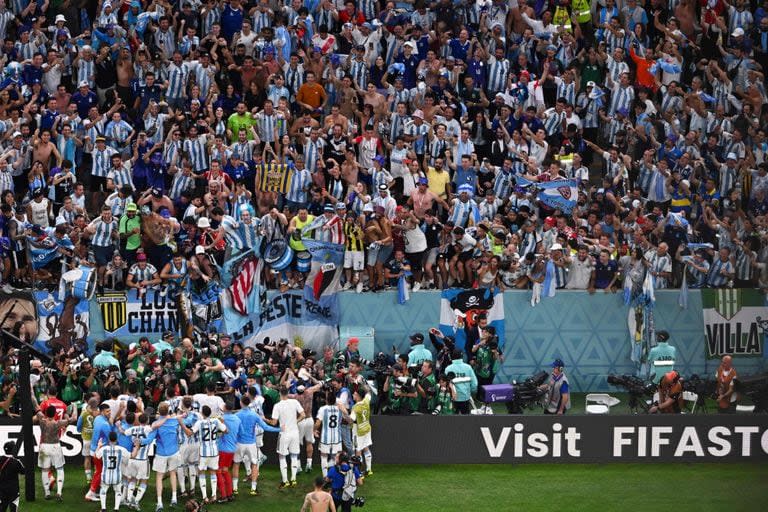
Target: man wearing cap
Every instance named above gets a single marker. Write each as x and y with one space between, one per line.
142 275
557 399
84 98
418 353
423 199
663 351
329 226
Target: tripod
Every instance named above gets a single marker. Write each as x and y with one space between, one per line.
637 404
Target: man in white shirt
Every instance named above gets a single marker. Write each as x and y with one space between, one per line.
288 412
216 403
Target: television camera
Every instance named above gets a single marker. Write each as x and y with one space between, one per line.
637 388
527 394
756 388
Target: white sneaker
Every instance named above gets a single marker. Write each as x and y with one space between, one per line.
91 496
416 286
359 287
346 286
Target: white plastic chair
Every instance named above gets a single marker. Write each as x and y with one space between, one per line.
690 396
599 403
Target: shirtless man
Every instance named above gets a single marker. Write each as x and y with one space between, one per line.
378 238
125 74
43 149
318 500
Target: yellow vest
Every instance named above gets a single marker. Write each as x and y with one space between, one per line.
562 17
581 9
298 245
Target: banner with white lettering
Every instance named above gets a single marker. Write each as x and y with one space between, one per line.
126 315
735 322
528 439
305 323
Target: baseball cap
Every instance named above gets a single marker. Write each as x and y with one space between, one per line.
131 207
60 17
423 181
417 336
199 249
731 156
558 363
556 247
591 84
16 134
738 32
341 206
410 44
165 213
418 114
353 340
328 208
383 187
203 222
83 83
141 257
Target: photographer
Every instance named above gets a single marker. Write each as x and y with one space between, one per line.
399 392
142 356
445 397
670 395
487 358
427 388
444 345
10 469
344 478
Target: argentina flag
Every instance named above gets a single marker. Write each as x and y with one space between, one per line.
560 194
459 309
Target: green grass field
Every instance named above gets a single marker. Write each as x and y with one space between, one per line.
498 488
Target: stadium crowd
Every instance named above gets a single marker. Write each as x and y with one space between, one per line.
155 140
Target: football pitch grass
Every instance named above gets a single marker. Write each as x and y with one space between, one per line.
493 488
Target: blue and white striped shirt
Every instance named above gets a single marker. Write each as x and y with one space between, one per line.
113 457
330 417
209 430
300 183
178 76
140 433
195 149
103 235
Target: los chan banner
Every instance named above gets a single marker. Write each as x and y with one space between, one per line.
530 439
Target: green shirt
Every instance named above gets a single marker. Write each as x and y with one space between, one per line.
486 363
132 242
236 121
428 402
443 400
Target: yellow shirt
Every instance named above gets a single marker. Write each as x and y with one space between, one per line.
361 414
438 182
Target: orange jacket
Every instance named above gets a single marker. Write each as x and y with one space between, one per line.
644 76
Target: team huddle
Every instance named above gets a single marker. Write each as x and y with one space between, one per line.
202 438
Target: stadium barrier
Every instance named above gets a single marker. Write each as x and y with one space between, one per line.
530 439
590 333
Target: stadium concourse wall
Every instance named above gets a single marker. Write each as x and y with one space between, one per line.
588 332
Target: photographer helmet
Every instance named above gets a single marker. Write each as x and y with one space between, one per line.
558 363
662 336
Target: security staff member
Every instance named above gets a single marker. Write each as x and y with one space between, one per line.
558 397
670 394
726 398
